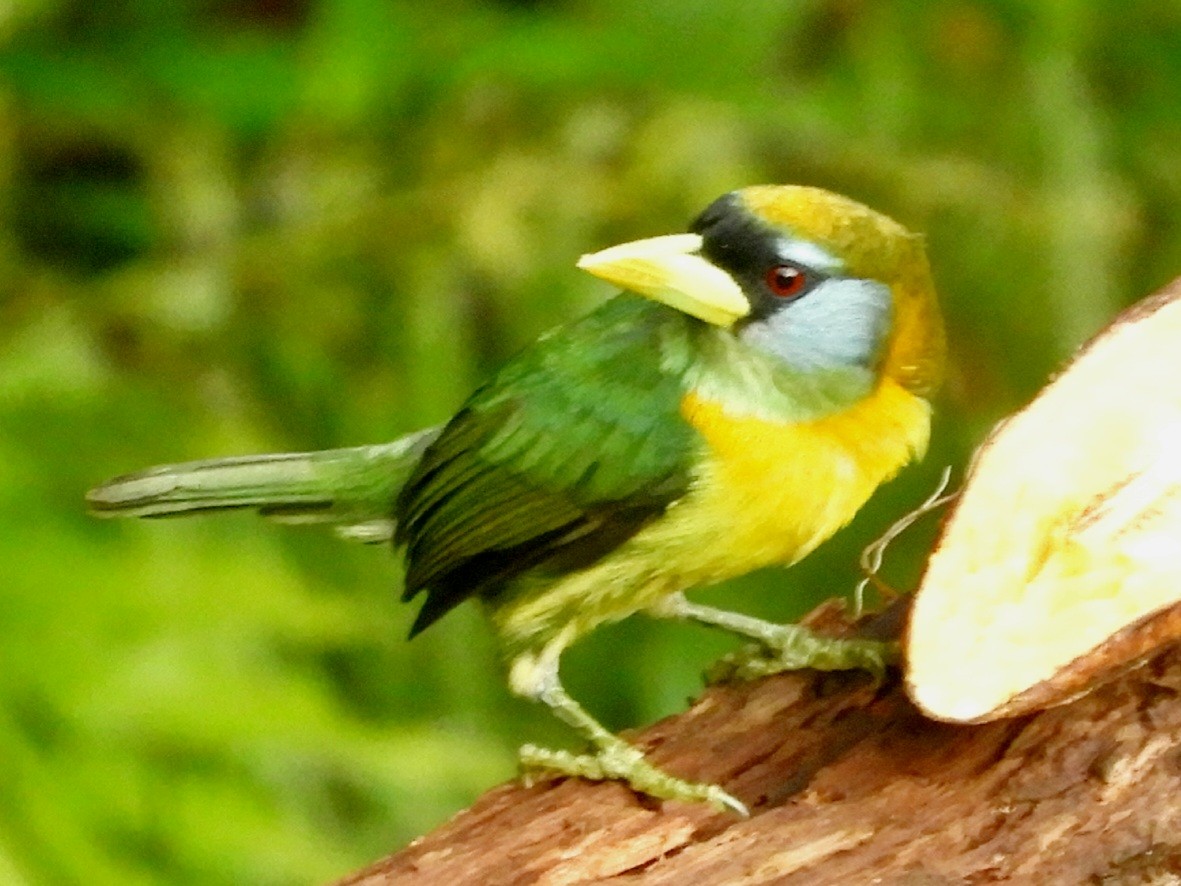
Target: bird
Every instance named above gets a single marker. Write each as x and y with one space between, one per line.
735 404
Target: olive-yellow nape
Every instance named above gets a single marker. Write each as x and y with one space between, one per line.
759 377
1061 563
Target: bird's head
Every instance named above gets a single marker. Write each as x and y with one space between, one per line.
812 278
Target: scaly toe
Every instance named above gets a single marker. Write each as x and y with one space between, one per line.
796 648
623 762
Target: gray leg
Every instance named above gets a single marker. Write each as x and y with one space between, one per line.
779 647
536 677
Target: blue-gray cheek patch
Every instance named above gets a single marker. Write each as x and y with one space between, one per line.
841 323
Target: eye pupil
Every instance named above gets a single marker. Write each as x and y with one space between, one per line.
786 281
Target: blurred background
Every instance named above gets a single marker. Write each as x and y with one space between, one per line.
244 225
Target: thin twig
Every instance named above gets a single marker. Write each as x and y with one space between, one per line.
872 556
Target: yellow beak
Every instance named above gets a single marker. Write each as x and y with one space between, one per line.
671 270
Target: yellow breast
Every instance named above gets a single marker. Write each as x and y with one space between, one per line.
766 494
775 491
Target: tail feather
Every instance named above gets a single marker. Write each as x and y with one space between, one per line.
351 489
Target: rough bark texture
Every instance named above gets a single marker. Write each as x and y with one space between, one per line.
849 784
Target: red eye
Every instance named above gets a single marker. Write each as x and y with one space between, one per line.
786 281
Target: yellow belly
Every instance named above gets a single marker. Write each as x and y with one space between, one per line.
772 492
765 494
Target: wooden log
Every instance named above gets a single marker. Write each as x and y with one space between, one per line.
847 784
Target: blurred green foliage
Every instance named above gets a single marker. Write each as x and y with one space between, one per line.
247 225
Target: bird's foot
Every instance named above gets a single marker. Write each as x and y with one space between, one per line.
620 761
795 648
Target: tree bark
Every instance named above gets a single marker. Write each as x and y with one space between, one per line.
847 784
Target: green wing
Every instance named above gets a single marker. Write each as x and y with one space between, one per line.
572 448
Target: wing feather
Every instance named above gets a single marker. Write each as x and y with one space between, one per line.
571 449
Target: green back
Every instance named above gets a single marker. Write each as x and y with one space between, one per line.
565 454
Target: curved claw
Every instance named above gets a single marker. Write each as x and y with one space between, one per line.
719 799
